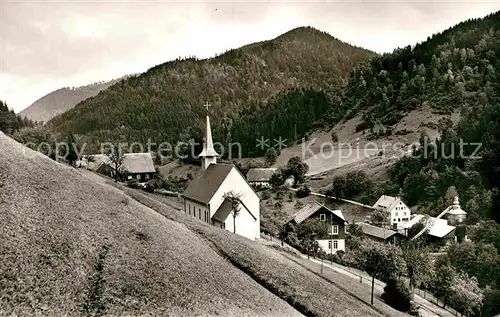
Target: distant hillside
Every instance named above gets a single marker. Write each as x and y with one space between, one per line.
451 71
165 103
62 100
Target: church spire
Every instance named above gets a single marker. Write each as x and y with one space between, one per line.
208 155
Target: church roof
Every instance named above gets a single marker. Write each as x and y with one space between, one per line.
208 145
260 174
225 210
204 187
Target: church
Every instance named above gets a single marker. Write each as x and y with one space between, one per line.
219 191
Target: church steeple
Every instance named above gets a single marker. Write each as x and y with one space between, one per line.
208 155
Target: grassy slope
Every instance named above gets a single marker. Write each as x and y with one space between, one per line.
71 246
303 289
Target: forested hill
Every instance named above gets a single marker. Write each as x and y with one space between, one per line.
62 100
450 70
165 102
9 121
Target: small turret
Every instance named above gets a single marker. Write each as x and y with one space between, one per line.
208 155
455 215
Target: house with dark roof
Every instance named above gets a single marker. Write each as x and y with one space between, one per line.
333 220
221 196
139 166
380 234
260 177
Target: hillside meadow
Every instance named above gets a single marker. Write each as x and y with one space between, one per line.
72 246
301 288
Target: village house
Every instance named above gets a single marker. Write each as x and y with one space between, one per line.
438 230
332 242
208 197
448 226
399 212
381 234
259 177
135 166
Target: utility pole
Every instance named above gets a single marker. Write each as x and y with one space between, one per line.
331 237
373 284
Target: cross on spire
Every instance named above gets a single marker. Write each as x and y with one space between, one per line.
207 105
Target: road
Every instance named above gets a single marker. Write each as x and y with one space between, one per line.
428 309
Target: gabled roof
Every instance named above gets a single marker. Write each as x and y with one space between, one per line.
374 231
225 209
223 212
387 202
439 228
310 209
204 187
260 174
135 163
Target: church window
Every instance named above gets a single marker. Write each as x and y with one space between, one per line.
189 206
199 213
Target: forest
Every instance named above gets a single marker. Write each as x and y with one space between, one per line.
166 102
454 71
10 122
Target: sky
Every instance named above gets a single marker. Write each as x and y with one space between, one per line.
46 45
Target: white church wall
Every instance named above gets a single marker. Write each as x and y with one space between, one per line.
245 224
247 227
193 209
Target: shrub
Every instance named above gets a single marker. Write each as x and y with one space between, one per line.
398 295
335 137
266 195
298 204
303 191
280 195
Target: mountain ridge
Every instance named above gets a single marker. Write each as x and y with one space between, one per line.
63 99
143 106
